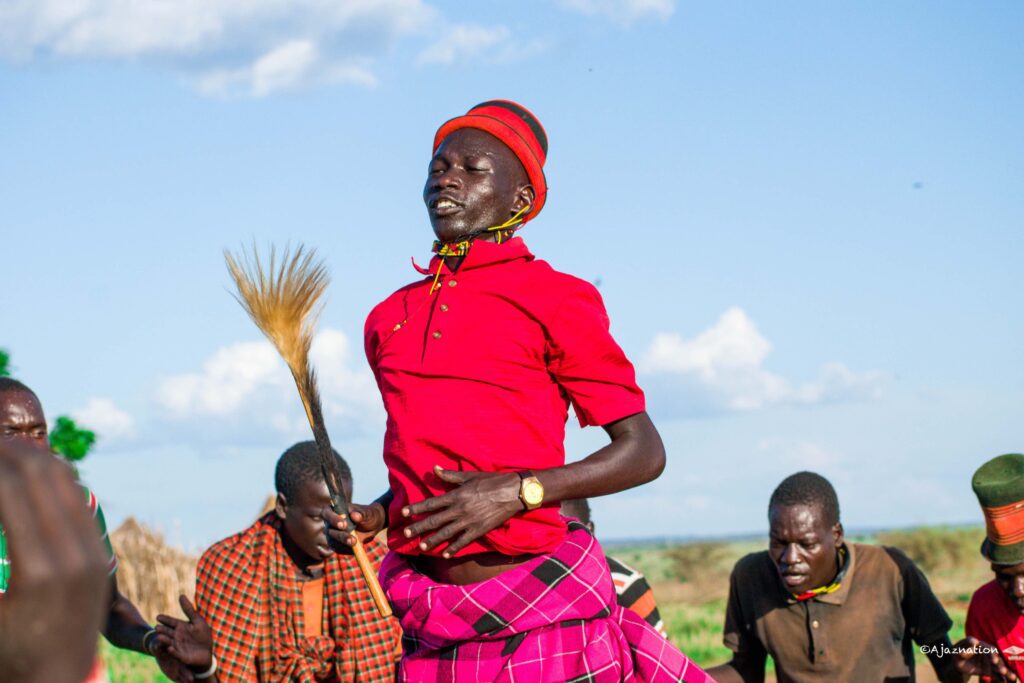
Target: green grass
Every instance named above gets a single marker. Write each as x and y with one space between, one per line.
126 666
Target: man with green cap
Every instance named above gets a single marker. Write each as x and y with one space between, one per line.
996 615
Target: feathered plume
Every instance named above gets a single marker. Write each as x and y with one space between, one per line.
284 302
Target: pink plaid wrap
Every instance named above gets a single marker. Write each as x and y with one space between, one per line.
554 618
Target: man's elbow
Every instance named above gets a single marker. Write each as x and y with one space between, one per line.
656 461
654 453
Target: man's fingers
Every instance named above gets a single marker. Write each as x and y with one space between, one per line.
188 608
453 476
162 640
168 622
445 534
333 520
467 537
432 522
429 505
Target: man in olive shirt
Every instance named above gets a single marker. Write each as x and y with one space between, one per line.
825 609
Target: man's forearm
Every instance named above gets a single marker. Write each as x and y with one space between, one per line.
635 456
125 627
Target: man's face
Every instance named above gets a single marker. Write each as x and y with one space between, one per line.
303 522
1011 579
21 417
474 181
803 546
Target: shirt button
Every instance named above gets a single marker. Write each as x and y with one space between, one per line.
452 283
437 334
814 623
444 307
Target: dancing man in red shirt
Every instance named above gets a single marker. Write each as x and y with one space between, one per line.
478 362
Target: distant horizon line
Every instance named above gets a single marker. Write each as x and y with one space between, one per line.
688 539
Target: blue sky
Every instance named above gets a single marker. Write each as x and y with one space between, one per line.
806 222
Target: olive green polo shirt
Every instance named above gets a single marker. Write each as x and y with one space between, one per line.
861 632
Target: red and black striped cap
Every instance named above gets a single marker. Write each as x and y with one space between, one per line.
519 129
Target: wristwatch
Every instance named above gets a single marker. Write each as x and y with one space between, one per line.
531 491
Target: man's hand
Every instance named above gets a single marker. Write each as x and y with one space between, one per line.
480 501
50 617
170 665
365 520
976 658
189 642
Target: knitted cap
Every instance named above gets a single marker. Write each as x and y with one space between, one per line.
521 132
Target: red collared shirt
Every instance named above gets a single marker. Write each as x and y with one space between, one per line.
994 619
479 375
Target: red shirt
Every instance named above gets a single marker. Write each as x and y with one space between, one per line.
994 619
479 375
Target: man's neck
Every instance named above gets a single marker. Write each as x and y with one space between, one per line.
453 262
306 567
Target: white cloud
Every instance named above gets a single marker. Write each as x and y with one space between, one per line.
256 46
106 419
293 65
462 41
248 381
725 363
624 11
227 378
801 455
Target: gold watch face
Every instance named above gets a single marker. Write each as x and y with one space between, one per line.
533 491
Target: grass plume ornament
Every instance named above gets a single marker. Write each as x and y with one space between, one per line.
283 299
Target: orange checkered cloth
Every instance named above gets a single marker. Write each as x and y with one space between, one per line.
248 591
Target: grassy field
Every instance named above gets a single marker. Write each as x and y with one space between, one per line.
691 584
130 667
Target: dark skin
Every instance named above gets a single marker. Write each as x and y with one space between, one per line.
475 182
972 661
804 546
22 421
1011 580
305 540
57 598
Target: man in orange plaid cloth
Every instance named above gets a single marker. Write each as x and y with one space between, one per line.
275 603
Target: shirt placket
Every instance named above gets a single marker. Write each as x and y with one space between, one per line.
442 308
817 635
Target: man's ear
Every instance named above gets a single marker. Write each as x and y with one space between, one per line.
524 198
837 534
281 506
590 527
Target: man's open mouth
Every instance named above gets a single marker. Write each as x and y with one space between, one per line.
794 579
444 206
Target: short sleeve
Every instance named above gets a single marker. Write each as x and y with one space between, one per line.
749 655
926 619
586 362
101 522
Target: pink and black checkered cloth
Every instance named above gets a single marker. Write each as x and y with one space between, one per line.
554 618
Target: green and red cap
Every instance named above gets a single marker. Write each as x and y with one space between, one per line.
999 486
521 132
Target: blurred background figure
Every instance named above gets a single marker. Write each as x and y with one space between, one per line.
57 600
